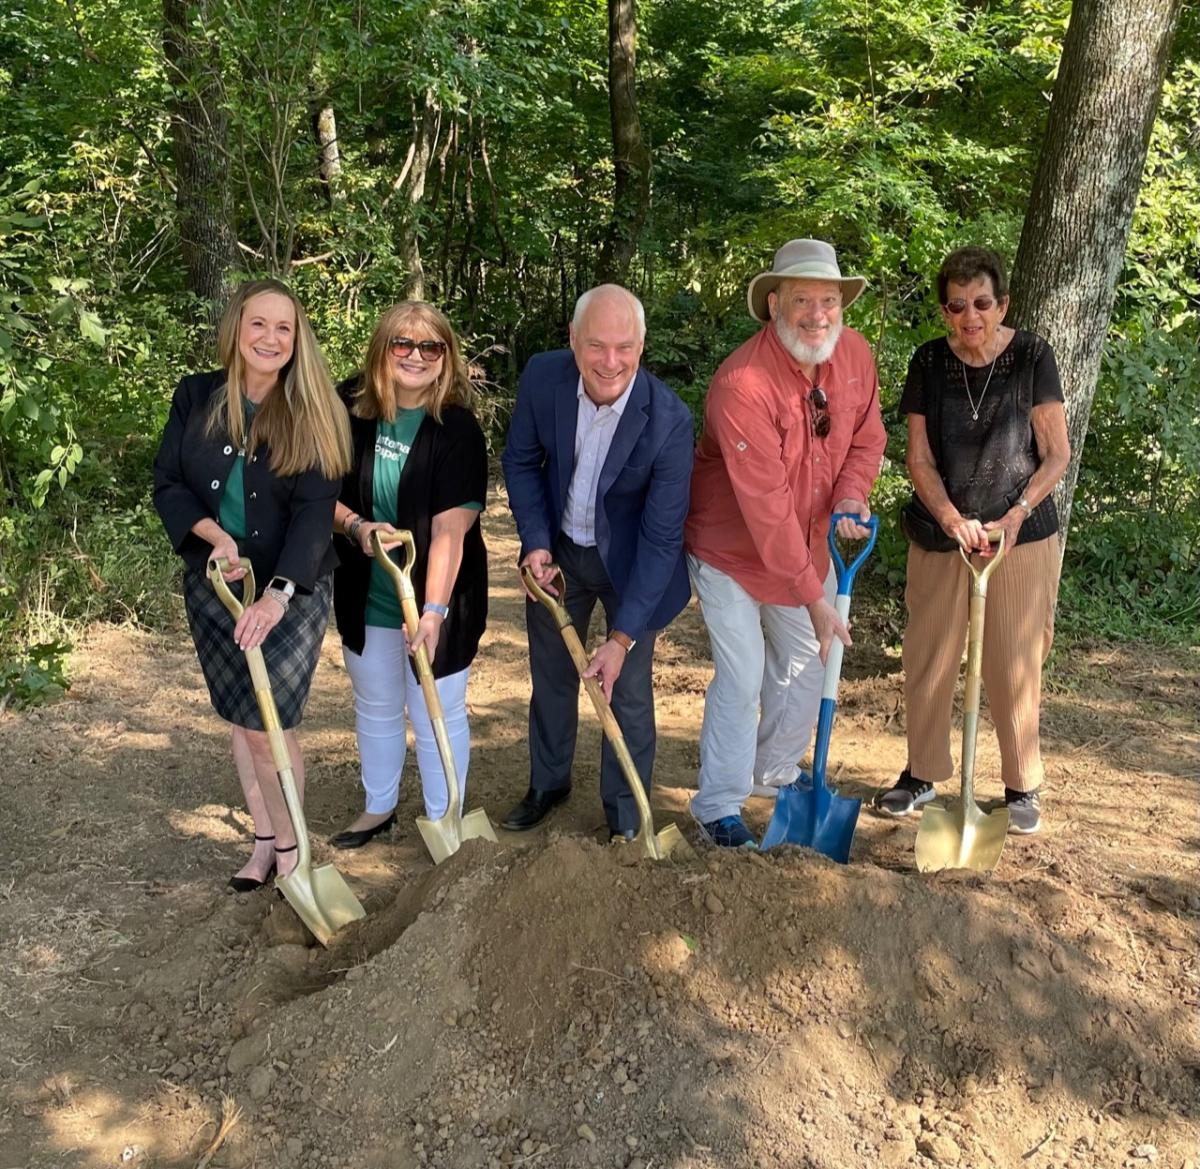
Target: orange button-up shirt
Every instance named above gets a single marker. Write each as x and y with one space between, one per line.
763 485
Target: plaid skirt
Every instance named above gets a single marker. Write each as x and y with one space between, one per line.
291 651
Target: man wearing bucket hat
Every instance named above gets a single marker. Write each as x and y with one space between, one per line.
792 435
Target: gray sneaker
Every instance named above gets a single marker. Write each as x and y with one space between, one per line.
1024 811
905 796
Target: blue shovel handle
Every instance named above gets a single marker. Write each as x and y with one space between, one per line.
846 573
833 667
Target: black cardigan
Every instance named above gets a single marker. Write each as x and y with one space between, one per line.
447 467
288 518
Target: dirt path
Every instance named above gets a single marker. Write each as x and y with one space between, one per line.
548 1003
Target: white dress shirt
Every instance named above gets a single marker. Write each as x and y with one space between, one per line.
594 430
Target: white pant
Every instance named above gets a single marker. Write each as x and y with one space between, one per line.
762 703
384 686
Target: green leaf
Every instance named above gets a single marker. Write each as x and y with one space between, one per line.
91 328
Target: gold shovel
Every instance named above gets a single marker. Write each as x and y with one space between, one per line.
443 836
659 845
963 836
320 896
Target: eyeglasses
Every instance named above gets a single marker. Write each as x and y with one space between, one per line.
982 304
430 351
818 409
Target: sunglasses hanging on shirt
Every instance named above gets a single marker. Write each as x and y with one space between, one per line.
818 411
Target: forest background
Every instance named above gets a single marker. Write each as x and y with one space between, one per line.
151 153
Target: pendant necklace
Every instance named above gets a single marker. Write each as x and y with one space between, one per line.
975 406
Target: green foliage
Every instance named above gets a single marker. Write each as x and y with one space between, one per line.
897 130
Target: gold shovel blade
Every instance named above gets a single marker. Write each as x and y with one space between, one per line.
443 837
668 842
950 838
321 899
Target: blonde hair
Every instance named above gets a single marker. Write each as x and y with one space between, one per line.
376 396
305 426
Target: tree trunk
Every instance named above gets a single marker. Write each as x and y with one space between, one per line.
631 159
204 209
329 156
1072 248
425 135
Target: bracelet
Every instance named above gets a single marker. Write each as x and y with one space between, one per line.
352 528
1023 502
443 611
279 597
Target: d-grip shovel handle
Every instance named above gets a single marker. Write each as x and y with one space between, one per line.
847 572
383 542
996 536
557 609
216 574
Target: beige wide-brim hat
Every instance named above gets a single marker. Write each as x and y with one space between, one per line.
804 259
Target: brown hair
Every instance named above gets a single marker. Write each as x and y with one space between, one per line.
305 425
376 396
963 265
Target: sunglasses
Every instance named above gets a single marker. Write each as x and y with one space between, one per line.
982 304
818 409
430 351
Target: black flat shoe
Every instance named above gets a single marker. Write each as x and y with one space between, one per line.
249 884
533 809
352 838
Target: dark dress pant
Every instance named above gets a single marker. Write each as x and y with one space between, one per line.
554 706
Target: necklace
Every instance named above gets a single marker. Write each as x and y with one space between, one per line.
975 406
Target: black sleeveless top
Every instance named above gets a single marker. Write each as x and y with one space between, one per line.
986 462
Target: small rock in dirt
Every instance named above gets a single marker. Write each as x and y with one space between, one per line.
284 928
713 903
356 973
260 1082
940 1149
1058 959
247 1052
295 1146
584 1132
1145 1153
528 1145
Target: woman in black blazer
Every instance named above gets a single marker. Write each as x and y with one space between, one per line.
249 468
420 463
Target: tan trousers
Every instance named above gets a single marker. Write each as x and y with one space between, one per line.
1018 633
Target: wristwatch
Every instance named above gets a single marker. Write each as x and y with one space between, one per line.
1023 502
283 585
623 640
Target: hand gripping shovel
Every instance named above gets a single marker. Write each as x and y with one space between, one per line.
658 845
443 836
809 812
320 896
963 836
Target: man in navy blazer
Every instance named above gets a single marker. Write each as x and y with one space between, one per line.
598 466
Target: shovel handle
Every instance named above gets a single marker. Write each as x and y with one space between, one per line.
553 603
266 706
847 572
401 574
981 574
216 569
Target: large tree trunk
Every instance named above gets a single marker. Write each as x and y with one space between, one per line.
198 132
631 159
1110 79
329 155
420 153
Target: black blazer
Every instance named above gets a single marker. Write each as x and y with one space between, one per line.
447 467
288 519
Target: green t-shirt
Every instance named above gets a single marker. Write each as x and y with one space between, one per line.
232 513
393 441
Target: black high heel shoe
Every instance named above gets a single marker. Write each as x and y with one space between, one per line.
249 884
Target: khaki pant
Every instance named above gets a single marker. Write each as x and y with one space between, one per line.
1018 633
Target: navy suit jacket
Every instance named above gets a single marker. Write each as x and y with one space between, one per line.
642 493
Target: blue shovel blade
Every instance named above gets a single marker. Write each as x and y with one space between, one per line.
813 816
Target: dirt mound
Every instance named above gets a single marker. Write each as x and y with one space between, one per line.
565 1007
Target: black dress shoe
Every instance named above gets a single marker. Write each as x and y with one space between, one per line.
628 836
250 884
533 809
352 838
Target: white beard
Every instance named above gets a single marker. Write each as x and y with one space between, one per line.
804 353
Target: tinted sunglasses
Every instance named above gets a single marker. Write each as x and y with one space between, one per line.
982 304
818 410
429 350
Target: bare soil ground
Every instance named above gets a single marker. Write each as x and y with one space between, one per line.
554 1003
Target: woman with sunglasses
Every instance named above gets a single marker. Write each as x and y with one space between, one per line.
420 463
987 442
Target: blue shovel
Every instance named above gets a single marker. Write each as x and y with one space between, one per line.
808 812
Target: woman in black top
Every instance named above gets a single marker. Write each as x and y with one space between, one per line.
987 442
249 468
420 463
